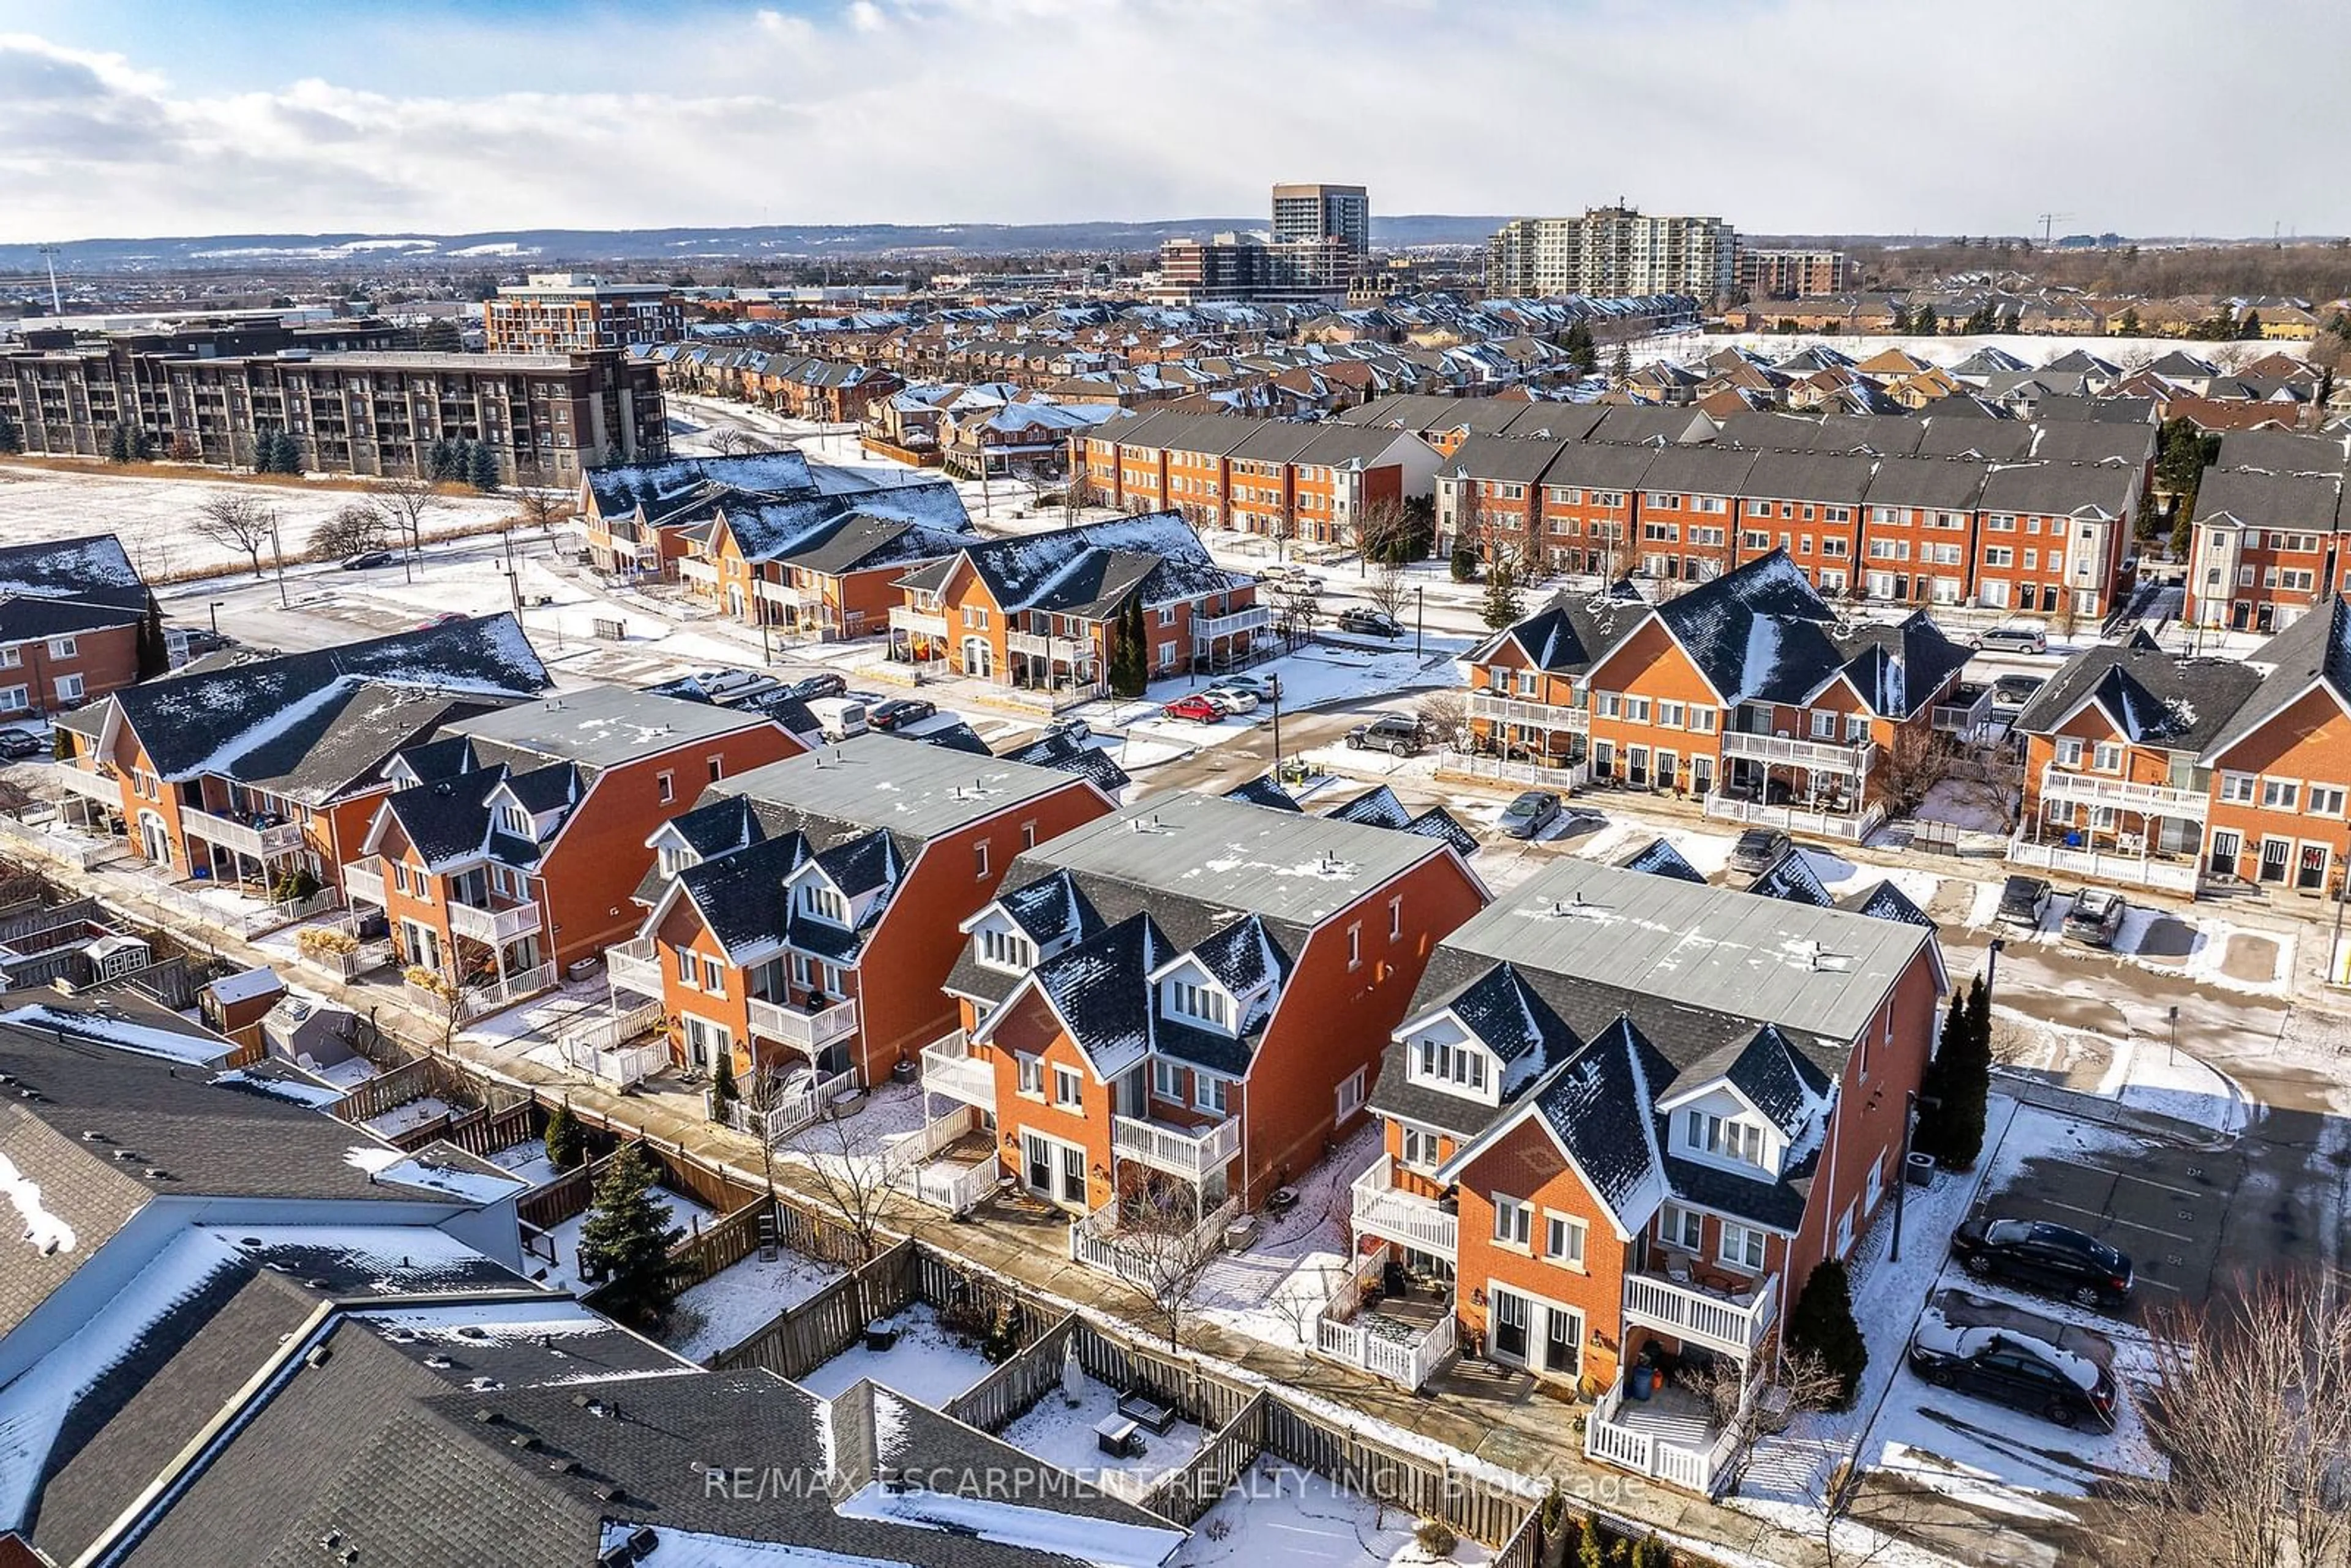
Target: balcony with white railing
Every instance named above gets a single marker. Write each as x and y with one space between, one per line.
1059 650
1099 1241
634 965
106 788
1817 755
1496 709
363 882
1404 1340
1965 717
1673 1436
2122 794
783 593
280 838
950 1069
1187 1151
1819 822
1208 628
1731 1322
697 571
493 926
805 1031
918 623
1383 1211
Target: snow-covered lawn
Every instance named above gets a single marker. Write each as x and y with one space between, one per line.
1707 852
1278 1514
1273 1290
399 1119
890 1110
529 1161
563 1274
1316 675
1060 1431
1968 806
928 1364
730 1306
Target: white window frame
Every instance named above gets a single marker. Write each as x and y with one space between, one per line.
1351 1091
1681 1228
1564 1238
1742 1247
1420 1148
1030 1082
1514 1222
1068 1088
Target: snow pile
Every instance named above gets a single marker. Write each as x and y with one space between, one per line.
1106 1543
927 1364
44 1232
734 1303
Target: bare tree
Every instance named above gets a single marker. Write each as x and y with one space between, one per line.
2253 1408
405 504
729 441
1388 592
1445 713
1162 1238
542 509
1384 530
853 1183
1905 774
1749 1404
352 530
242 523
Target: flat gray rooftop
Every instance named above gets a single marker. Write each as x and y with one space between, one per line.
603 727
904 785
1823 970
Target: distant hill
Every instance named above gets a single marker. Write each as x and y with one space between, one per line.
774 242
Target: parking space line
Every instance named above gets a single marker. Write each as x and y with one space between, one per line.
2116 1218
2143 1181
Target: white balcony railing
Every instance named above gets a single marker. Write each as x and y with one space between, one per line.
1095 1243
1399 1350
1176 1150
611 1030
2123 794
803 1031
262 844
1062 650
634 965
694 570
106 791
363 882
1818 756
1383 1210
1660 1451
615 1066
1732 1324
1853 826
1208 628
1532 716
493 926
918 623
949 1068
782 593
2174 874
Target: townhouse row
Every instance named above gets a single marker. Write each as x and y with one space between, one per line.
77 623
2269 531
2050 537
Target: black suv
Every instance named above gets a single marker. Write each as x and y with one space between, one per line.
2014 1369
1759 850
2024 900
827 685
2057 1258
1398 733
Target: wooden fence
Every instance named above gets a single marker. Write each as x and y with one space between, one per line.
829 1321
413 1080
1201 1398
1008 1392
1471 1505
482 1131
1181 1496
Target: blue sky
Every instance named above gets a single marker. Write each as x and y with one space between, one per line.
160 116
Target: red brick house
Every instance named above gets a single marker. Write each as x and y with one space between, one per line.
2267 547
1624 1118
73 618
826 566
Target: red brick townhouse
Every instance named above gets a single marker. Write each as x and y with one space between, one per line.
632 514
1590 500
2267 548
1192 996
1624 1118
2144 766
72 615
516 840
1278 478
1919 531
247 773
1742 690
2055 538
1044 613
805 915
1810 506
823 566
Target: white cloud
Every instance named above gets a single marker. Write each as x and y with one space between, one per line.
1782 115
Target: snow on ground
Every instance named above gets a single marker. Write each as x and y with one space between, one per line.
347 1074
1316 675
1707 852
317 1096
1843 878
2152 1075
1060 1431
563 1274
1133 751
1273 1290
889 1110
737 1302
1966 805
399 1119
152 515
928 1364
527 1160
1278 1514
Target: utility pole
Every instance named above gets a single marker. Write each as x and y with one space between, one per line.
1276 682
57 302
1419 614
278 551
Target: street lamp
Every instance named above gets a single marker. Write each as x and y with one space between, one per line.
1419 614
214 611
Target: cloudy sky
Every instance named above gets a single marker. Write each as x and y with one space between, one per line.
137 117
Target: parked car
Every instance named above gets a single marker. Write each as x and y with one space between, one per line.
827 685
1230 699
1263 686
446 618
2024 900
2015 1369
1369 624
901 712
2055 1257
1759 850
2011 693
16 744
366 558
1199 709
1075 729
1398 733
2096 918
2019 637
1530 814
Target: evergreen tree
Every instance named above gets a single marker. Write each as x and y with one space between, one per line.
11 438
2129 323
1591 1552
1463 565
1930 1135
117 444
1503 605
2251 327
626 1237
1822 1324
482 467
142 443
1583 354
1900 324
289 454
1130 659
1650 1553
1962 1082
723 1093
1623 365
2013 323
563 1138
154 653
438 458
1929 323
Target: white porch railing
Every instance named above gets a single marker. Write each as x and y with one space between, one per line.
634 965
503 992
1206 628
1409 1218
1854 827
1529 715
1344 1331
918 623
613 1030
615 1066
807 1033
950 1069
782 593
1817 755
1607 1437
1734 1325
694 570
347 966
2123 794
493 926
793 1109
2106 865
1065 649
1095 1241
1475 764
363 882
1179 1151
90 785
261 843
954 1186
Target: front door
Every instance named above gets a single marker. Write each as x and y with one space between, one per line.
1511 1313
2310 869
2274 859
1701 775
1637 767
1036 1163
1563 1341
154 839
1669 768
1074 1174
2225 843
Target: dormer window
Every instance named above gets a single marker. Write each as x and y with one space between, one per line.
1008 951
514 820
1461 1064
674 861
1725 1137
825 904
1201 1004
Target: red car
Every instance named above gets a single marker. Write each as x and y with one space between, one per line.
1199 710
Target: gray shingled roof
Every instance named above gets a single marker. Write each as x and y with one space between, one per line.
2307 503
2156 698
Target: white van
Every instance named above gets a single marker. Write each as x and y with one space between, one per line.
2021 638
839 718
